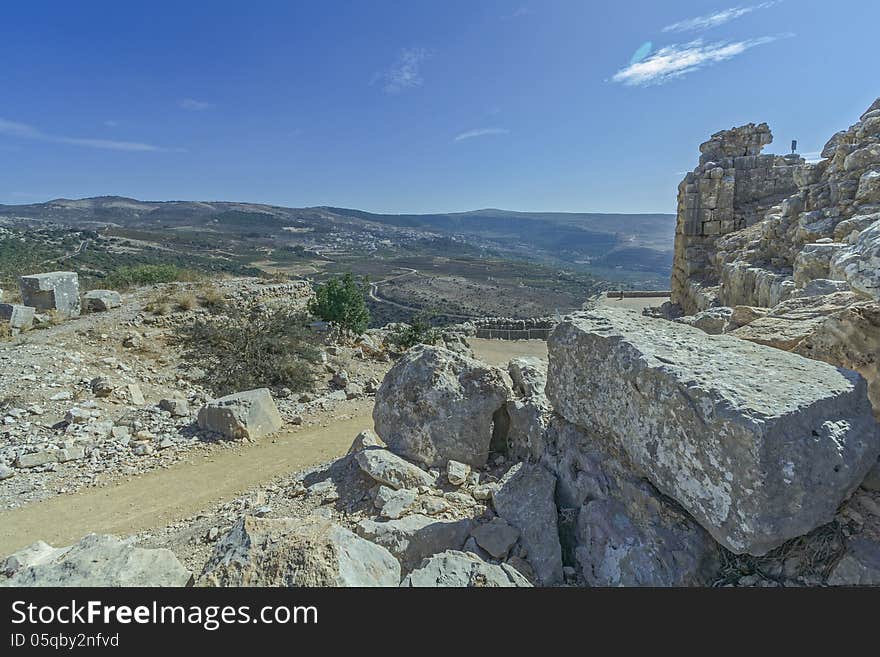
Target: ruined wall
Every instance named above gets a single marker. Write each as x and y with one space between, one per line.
756 229
730 190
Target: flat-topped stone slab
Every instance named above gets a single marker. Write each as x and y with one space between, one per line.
56 290
757 444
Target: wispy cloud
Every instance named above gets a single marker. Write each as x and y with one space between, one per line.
24 131
195 105
716 18
677 60
481 132
111 124
405 73
519 12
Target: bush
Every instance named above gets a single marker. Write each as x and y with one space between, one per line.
185 301
132 276
248 349
341 301
212 299
418 331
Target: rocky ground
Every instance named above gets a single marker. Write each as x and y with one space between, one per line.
104 396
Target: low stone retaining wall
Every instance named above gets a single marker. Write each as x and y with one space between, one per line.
636 294
506 328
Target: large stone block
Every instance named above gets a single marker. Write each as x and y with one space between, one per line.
251 414
19 318
757 444
57 290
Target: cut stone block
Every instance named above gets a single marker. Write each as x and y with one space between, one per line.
57 290
757 444
18 317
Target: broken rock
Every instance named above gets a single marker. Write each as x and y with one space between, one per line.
462 569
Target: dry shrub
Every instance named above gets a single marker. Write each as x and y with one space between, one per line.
251 348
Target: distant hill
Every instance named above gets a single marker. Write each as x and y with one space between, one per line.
602 242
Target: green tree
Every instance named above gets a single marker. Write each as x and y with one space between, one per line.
341 301
418 331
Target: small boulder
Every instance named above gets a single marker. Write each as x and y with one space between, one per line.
391 470
457 473
96 301
364 440
297 552
242 415
415 537
496 537
462 569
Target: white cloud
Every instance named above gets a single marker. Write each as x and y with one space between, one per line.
195 105
481 132
22 130
405 73
677 60
715 19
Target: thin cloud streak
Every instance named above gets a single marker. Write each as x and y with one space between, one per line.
715 19
481 132
677 60
24 131
405 73
195 105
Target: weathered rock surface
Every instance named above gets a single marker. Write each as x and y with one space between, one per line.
859 264
415 537
391 470
297 552
757 444
250 415
525 499
620 530
529 375
462 569
859 566
435 405
496 537
94 561
57 290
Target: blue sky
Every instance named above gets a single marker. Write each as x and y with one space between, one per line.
414 106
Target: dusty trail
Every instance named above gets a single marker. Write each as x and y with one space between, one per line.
159 497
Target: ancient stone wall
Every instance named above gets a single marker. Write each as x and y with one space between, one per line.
731 189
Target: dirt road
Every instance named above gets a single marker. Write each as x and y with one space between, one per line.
160 497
